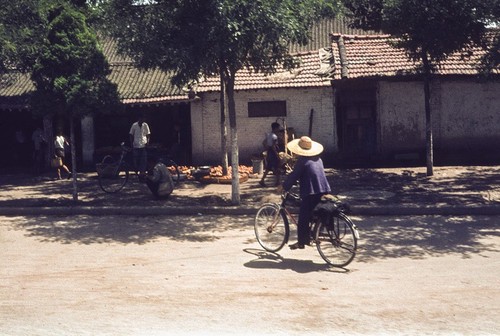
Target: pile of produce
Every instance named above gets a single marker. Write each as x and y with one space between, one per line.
215 173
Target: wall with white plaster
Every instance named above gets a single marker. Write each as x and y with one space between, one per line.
205 119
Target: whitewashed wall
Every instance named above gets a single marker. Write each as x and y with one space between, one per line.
401 116
465 114
205 119
470 114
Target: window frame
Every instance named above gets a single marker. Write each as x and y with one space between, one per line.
267 108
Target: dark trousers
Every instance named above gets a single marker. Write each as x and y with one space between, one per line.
140 157
307 206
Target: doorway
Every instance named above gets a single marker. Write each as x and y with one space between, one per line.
356 122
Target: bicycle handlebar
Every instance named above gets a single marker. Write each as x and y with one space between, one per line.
124 147
289 195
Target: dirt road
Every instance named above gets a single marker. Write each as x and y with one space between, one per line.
208 276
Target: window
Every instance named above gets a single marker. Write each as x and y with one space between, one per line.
267 109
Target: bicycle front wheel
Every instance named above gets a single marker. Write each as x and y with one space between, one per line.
112 183
336 240
271 227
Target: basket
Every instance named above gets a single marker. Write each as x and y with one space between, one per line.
107 168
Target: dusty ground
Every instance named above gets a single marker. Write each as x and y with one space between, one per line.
208 276
475 185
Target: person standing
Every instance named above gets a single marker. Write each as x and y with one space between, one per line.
139 138
39 144
310 173
60 144
272 154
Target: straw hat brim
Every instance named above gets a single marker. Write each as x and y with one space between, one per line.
316 148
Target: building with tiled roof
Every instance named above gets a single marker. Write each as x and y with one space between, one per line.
354 93
137 86
288 95
312 71
153 86
380 103
364 56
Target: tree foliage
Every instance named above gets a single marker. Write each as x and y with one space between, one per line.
20 27
195 38
214 38
70 70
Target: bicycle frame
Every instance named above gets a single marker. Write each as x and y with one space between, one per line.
331 230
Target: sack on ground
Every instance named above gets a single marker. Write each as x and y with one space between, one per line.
56 162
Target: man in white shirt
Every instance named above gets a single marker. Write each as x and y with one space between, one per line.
139 138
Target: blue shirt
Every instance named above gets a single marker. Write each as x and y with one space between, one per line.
310 173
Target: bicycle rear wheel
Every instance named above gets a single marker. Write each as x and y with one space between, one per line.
271 227
112 183
336 240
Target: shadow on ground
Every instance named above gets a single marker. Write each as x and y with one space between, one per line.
450 185
424 236
129 229
414 237
265 260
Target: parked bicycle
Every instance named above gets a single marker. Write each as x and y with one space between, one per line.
113 174
334 235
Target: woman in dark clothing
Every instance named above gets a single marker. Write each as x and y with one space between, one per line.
310 173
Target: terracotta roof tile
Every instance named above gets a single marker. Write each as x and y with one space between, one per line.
307 74
375 56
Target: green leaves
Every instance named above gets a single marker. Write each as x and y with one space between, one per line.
436 27
195 38
20 24
71 70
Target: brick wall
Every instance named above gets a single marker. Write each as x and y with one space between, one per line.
205 119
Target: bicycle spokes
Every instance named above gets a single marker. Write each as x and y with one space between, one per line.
335 240
271 227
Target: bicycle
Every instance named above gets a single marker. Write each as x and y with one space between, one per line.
334 235
113 174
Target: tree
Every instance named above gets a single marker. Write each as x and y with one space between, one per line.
214 38
429 31
70 71
20 26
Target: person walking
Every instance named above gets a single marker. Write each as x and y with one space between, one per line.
310 172
60 144
139 138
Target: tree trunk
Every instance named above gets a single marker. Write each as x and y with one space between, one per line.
235 190
428 115
73 156
223 126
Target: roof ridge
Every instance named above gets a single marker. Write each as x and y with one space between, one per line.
305 53
336 37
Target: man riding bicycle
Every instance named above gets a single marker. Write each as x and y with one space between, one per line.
310 173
